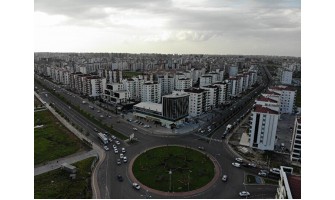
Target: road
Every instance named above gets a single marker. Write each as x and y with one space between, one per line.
108 184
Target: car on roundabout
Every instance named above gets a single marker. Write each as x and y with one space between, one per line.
224 178
119 178
244 194
236 164
136 186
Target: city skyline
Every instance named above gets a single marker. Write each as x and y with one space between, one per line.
168 27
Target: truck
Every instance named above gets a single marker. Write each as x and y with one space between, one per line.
228 129
103 138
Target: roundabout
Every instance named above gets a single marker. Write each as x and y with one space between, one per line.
174 170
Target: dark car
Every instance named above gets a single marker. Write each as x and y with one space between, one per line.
119 178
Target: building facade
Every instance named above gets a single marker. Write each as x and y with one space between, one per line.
175 106
296 141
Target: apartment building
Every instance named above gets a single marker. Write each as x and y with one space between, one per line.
287 98
206 80
289 185
197 101
263 128
296 141
167 83
151 92
183 84
285 76
212 96
223 93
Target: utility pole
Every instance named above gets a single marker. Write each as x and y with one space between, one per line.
170 172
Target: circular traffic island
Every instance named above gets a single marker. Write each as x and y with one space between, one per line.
174 169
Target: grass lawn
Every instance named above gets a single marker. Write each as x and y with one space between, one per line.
250 179
37 103
129 74
56 184
53 140
190 168
270 181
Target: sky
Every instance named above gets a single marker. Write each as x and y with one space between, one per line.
247 27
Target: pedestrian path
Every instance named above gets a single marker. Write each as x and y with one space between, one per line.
55 164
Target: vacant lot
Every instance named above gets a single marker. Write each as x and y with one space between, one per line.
37 103
190 169
57 184
53 140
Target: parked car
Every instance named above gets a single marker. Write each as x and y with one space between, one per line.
110 140
275 170
252 164
125 159
106 148
121 155
136 186
224 178
236 164
262 174
114 146
119 177
135 129
95 129
118 161
123 150
117 142
239 160
113 137
116 151
244 194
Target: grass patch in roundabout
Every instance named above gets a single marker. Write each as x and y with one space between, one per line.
57 184
191 169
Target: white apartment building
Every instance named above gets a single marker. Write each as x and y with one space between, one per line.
246 81
271 103
223 96
167 83
233 82
240 87
286 77
215 76
287 98
197 101
112 97
96 86
263 128
134 87
206 80
233 70
289 185
296 141
212 95
183 84
151 92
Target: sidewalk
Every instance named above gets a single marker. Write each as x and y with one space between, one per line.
55 164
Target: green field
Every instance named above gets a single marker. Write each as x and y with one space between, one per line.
53 140
190 169
37 103
56 184
129 74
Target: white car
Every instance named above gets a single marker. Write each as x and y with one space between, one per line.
239 160
224 178
106 148
135 129
113 137
125 159
252 164
121 155
262 174
236 164
117 142
244 194
136 186
123 150
116 151
114 146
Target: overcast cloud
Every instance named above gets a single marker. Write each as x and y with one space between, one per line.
267 27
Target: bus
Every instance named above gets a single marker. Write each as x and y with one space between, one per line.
103 138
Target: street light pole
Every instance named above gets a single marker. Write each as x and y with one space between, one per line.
170 172
189 180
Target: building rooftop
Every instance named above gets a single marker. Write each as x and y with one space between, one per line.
295 185
282 87
150 106
176 95
261 109
265 99
194 90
